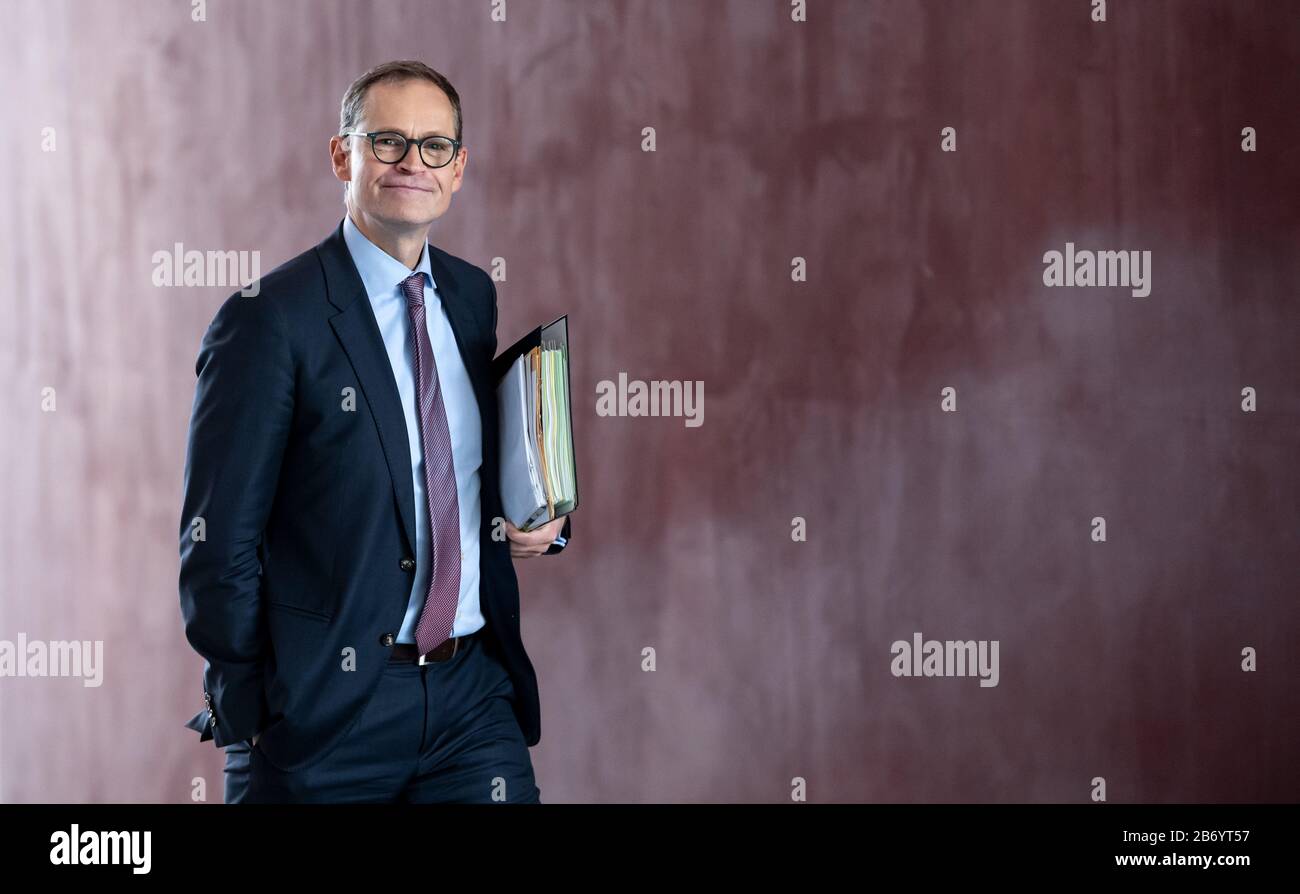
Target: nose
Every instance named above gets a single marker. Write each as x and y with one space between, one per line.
411 161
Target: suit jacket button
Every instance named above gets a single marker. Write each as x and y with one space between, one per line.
407 563
387 639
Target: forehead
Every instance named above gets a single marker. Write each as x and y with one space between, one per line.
415 106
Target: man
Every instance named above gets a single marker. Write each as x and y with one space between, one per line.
358 620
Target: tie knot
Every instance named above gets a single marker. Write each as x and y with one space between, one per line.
413 286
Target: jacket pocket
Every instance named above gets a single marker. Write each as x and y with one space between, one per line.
305 612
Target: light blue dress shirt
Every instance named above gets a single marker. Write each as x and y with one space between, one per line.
382 275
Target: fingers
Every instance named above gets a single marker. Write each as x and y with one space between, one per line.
526 544
542 536
526 552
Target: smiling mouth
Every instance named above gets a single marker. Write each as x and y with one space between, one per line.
411 188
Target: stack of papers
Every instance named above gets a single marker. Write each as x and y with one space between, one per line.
538 474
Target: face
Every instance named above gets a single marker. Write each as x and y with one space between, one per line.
406 196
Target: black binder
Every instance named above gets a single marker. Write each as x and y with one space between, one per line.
552 335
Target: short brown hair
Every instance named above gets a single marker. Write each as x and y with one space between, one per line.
354 99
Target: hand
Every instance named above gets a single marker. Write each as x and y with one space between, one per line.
526 544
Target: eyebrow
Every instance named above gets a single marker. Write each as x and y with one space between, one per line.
432 133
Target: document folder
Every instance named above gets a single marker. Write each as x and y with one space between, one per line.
539 479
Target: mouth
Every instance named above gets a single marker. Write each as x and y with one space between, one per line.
405 188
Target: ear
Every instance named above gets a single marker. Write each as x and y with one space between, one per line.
340 158
461 158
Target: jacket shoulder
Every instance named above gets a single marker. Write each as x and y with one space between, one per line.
469 276
281 294
300 277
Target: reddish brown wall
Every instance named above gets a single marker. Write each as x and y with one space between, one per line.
822 398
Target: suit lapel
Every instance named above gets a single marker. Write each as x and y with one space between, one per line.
459 315
358 333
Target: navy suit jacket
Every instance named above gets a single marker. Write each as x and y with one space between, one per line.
299 513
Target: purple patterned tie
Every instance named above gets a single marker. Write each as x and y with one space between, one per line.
440 603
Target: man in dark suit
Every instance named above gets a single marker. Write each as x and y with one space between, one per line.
343 571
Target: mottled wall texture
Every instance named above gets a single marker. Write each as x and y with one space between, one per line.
838 497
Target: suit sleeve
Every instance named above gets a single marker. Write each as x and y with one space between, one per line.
559 543
239 424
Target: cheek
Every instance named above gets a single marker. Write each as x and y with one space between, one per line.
367 172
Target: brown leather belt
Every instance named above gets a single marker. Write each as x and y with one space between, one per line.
406 652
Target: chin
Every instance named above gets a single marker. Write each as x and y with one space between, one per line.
404 213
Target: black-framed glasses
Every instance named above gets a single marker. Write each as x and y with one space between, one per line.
390 147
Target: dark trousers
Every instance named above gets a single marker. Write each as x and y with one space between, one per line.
442 732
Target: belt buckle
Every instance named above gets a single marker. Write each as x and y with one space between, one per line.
424 659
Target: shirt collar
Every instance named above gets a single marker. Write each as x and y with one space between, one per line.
381 273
